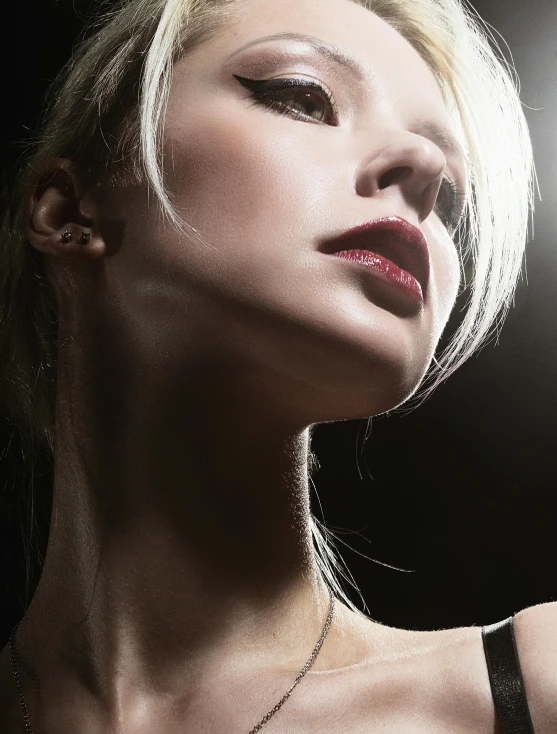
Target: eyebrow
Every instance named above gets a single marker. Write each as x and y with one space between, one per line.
330 52
438 134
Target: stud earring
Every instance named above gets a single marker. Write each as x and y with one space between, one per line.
84 237
67 236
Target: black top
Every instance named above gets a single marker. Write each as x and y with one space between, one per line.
505 678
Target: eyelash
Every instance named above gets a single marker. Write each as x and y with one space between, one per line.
266 91
451 214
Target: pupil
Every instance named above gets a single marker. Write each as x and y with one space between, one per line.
308 103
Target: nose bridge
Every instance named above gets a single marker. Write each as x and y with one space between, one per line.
404 164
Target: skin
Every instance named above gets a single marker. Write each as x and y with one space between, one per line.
179 592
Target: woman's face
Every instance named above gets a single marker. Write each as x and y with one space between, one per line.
267 187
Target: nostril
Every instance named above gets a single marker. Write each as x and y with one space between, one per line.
393 175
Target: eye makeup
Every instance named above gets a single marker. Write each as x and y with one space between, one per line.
276 93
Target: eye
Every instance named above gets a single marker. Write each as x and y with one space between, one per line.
450 204
301 99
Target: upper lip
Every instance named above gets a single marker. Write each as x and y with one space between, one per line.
393 238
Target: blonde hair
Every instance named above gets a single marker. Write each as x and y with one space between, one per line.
106 117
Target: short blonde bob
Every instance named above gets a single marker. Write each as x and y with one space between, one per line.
106 113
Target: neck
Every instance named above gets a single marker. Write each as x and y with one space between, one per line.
180 543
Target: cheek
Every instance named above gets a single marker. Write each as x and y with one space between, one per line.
446 278
211 169
238 177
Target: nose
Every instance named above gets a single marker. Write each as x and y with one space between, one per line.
407 166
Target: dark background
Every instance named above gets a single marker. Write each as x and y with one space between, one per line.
460 491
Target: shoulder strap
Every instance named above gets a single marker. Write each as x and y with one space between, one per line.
505 678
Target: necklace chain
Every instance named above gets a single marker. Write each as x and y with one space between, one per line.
15 659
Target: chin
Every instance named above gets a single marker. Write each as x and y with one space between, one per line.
364 398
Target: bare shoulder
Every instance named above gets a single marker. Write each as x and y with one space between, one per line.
535 630
450 669
419 681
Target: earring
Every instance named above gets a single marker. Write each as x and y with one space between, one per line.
84 237
67 236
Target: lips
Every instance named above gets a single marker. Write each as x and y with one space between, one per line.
392 238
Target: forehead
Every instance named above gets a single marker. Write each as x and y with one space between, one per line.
391 68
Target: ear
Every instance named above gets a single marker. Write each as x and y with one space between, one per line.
61 212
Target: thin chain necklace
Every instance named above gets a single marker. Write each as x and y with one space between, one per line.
15 659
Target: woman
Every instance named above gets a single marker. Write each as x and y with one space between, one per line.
245 218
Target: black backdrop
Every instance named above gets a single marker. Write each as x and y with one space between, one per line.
459 492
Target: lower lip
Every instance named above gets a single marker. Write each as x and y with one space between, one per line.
406 282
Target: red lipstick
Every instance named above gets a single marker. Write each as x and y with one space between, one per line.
393 248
